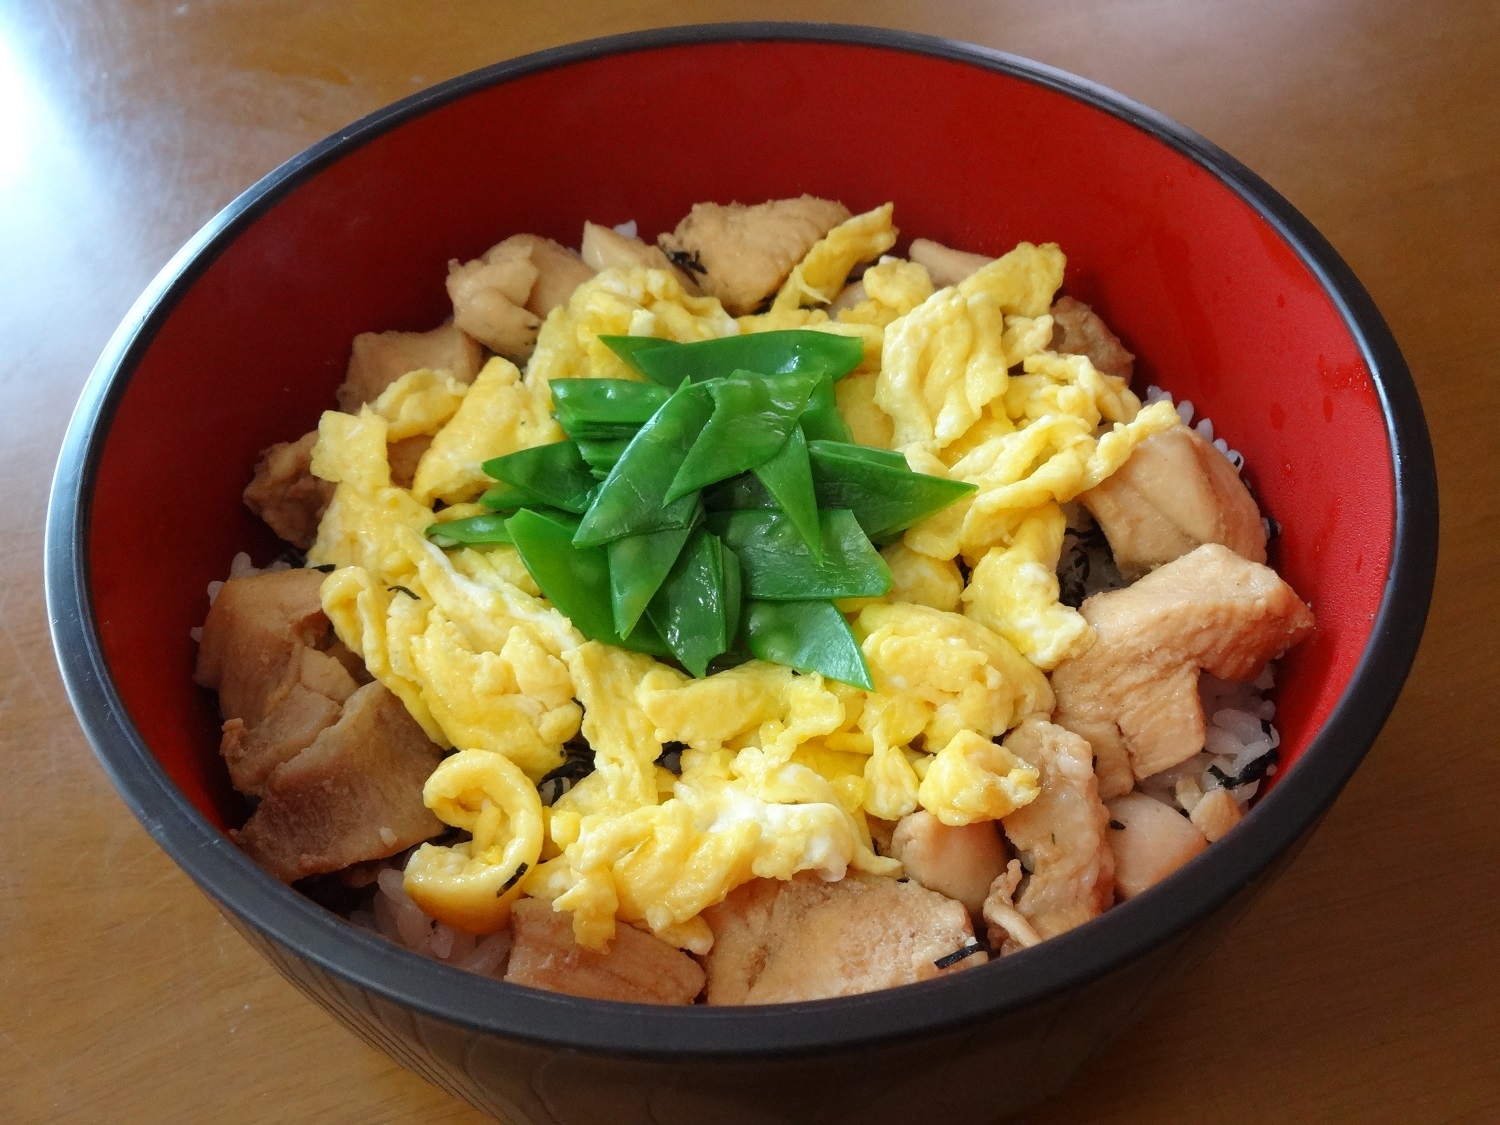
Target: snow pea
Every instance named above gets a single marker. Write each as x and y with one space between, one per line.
810 636
752 416
779 567
793 351
885 496
787 476
575 580
581 405
555 475
633 498
638 565
473 531
738 494
628 347
601 452
692 609
506 498
821 421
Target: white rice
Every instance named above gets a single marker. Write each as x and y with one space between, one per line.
393 915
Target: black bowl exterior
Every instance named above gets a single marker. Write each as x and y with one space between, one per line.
983 1042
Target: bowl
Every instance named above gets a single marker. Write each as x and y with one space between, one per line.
1229 297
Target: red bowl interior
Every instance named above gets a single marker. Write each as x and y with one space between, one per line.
1214 302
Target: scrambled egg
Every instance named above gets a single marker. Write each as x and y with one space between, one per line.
779 771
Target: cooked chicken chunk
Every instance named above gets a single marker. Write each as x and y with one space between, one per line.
1215 814
637 966
489 298
956 862
1078 330
309 699
404 457
779 942
559 272
604 248
1138 684
255 629
1174 493
501 298
378 359
1007 929
740 254
1152 840
354 794
285 494
945 265
1060 835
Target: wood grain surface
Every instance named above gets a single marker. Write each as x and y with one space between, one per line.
1365 986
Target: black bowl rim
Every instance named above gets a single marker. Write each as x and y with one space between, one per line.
618 1029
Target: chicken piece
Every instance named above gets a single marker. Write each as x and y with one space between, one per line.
957 862
1060 835
1008 930
254 631
378 359
354 794
309 699
1079 330
1138 683
1174 493
1215 814
489 298
404 456
604 248
285 494
1149 840
945 265
637 967
559 272
804 939
740 254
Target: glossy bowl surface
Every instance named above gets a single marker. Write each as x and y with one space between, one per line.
1227 295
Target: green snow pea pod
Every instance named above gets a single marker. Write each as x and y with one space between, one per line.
779 567
507 498
473 531
752 416
638 565
788 477
575 580
884 497
809 636
628 347
555 475
691 611
821 421
581 404
737 494
602 451
633 498
794 351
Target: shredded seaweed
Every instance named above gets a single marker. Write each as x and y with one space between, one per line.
513 880
670 757
404 590
578 764
1254 770
1116 825
324 568
957 955
688 261
1273 528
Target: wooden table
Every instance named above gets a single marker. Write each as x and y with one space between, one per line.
1365 986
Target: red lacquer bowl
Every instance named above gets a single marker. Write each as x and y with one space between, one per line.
1227 295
